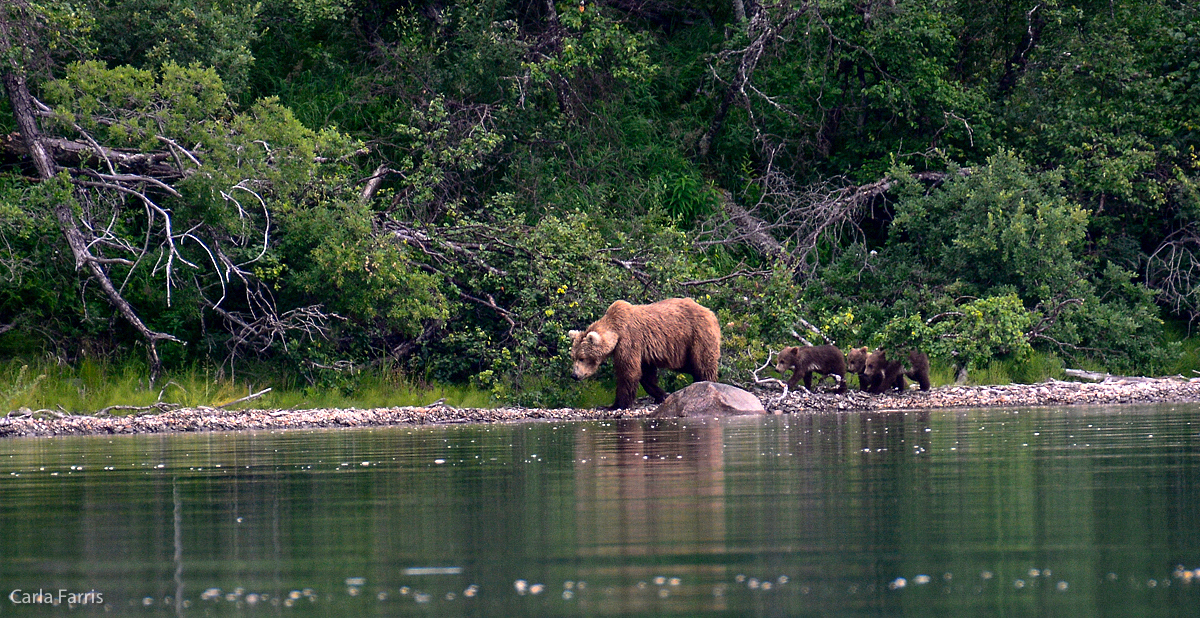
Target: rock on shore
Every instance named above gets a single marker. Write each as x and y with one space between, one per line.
1052 393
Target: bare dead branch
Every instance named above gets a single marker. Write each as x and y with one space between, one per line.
1174 270
733 275
762 33
815 330
768 381
1051 317
246 398
941 316
374 181
428 242
635 268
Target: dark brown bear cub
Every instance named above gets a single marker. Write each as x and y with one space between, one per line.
676 334
823 359
856 362
885 375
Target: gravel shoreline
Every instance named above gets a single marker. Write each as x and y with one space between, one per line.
1052 393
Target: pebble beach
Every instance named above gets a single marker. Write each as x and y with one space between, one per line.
1111 391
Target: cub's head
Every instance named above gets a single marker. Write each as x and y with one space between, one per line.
787 358
876 363
590 349
856 359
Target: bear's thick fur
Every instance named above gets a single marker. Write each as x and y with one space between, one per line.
823 359
676 334
856 362
885 375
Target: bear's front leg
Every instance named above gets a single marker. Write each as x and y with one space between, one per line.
626 393
628 376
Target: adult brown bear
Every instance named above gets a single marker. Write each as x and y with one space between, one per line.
676 334
826 360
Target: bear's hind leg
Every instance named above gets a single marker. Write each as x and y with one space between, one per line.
650 383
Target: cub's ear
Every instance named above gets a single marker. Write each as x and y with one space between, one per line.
594 337
574 334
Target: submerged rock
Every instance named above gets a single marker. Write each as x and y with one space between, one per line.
709 399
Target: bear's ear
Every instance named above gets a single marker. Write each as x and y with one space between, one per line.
574 334
594 338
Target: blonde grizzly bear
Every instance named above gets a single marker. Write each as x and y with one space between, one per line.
676 334
826 360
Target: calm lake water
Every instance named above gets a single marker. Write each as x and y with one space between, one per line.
1055 512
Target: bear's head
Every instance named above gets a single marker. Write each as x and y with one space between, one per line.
590 349
876 363
856 359
788 357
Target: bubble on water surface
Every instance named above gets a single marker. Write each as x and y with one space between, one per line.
921 580
898 584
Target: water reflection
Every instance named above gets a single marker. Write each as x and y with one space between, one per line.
1060 512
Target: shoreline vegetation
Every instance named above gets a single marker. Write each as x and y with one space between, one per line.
1112 390
292 193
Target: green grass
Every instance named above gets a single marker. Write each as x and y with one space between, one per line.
91 386
1188 363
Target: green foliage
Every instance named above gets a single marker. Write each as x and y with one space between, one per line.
372 281
152 33
969 336
998 226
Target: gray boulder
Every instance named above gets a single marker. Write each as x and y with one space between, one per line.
709 399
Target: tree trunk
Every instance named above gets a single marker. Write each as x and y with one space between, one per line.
22 104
